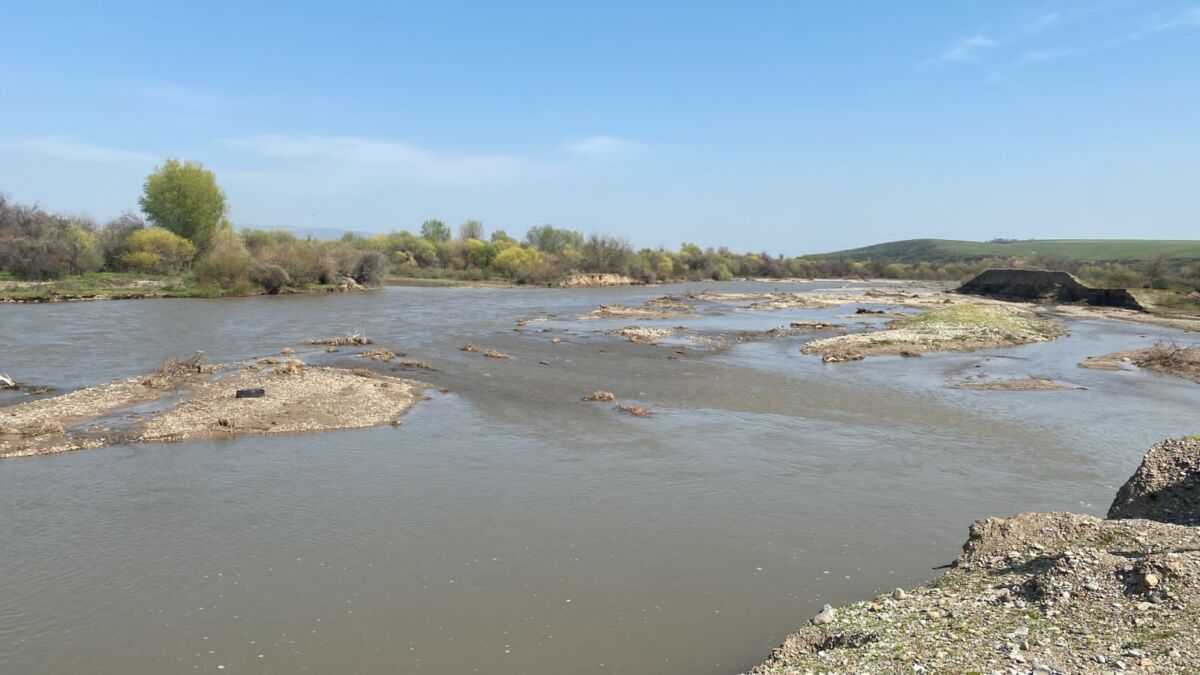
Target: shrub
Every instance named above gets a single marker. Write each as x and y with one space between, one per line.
113 239
145 262
371 267
81 249
272 278
226 265
525 265
155 250
36 259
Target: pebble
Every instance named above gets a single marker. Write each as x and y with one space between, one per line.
826 615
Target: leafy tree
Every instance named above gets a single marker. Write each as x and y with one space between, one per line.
435 231
472 229
549 239
82 250
157 250
184 197
519 263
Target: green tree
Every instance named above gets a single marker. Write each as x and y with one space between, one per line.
184 198
472 229
435 231
157 250
550 239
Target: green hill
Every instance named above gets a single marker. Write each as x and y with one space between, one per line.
1090 250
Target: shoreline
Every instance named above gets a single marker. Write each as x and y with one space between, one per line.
1039 593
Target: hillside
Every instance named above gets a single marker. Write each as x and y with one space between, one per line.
1090 250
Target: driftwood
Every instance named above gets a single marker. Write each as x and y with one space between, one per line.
355 340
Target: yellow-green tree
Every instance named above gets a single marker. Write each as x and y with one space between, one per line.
157 250
184 198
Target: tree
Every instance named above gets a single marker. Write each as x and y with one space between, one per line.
472 229
435 231
157 250
549 239
184 197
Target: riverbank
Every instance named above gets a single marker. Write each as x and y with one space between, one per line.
1163 358
126 286
1039 593
191 399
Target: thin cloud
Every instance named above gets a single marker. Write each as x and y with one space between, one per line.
1150 27
67 149
399 160
1043 22
603 146
965 49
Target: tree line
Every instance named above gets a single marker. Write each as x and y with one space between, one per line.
183 230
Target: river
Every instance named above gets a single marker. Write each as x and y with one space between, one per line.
508 527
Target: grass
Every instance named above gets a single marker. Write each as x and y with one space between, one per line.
120 285
997 318
95 284
1166 302
1091 250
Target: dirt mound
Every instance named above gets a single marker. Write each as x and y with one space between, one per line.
200 400
959 327
1043 285
597 281
1165 487
1039 593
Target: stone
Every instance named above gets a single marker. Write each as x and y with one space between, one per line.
251 393
1165 487
826 615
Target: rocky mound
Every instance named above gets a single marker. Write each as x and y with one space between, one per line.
1034 593
1166 487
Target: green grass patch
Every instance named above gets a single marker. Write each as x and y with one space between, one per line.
1089 250
993 317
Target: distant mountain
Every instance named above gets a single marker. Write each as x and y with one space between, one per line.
951 250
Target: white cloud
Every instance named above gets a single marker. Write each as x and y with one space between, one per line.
966 48
399 160
62 148
1043 22
603 146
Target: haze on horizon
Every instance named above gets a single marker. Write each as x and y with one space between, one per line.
781 127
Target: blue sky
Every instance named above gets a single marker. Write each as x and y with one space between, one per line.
788 127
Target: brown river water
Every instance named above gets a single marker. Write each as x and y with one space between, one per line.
507 527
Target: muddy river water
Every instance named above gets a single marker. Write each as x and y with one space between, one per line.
508 527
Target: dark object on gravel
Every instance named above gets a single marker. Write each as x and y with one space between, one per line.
1166 487
251 393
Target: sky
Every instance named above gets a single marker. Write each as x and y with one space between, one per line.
790 127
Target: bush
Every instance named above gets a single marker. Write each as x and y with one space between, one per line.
226 266
370 268
113 239
524 265
36 259
155 250
272 278
145 262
